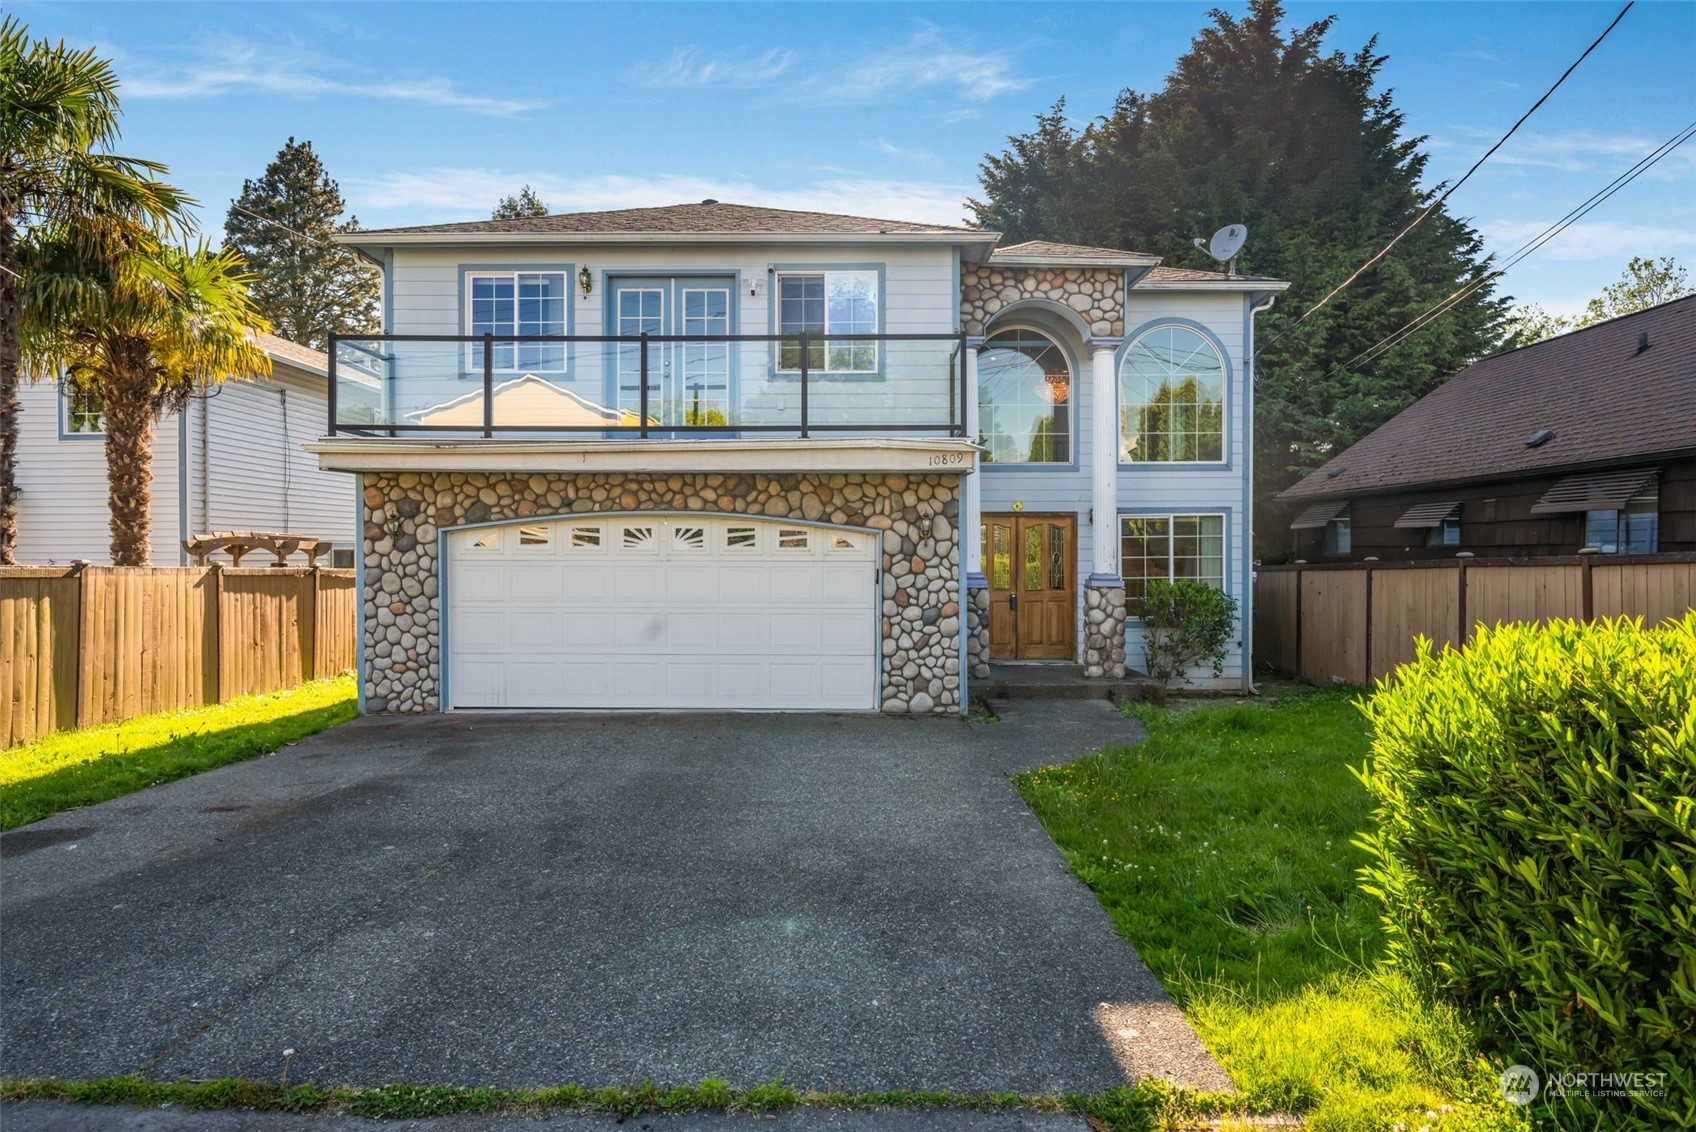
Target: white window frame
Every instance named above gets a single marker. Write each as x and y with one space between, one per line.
1648 502
1071 402
65 430
1171 550
825 274
1224 459
474 350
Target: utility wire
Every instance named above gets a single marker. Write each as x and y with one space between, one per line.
1528 247
1420 322
1447 192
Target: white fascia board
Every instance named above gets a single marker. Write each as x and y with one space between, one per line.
936 456
1005 260
1224 284
558 239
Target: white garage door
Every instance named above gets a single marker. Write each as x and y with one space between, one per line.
676 612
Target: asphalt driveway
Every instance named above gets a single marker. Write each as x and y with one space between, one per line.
846 902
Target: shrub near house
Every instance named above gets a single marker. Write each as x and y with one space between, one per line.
1535 849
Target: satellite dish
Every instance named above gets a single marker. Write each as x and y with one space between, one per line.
1225 245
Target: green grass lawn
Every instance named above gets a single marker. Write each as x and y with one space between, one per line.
1222 849
79 768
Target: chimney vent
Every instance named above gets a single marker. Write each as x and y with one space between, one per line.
1642 340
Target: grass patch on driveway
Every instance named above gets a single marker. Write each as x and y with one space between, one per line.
1221 847
80 768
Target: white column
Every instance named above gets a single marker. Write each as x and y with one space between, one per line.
1104 483
971 525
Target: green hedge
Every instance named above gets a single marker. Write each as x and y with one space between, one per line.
1534 849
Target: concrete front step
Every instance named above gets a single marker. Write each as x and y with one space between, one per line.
1058 682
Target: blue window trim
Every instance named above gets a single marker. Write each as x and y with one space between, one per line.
60 408
1224 509
1142 466
776 269
612 277
1077 418
569 270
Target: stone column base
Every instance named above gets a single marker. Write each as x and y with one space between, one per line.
1104 632
977 626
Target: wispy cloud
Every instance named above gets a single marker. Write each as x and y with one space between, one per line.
1577 151
905 153
697 66
1590 240
230 66
925 61
442 194
953 116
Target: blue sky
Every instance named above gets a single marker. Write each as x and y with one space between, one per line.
429 112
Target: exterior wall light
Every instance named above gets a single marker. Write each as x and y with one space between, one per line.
585 280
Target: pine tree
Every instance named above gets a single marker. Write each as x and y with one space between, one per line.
1256 124
526 203
306 286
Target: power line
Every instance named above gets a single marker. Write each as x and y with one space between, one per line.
1528 247
1446 193
1443 306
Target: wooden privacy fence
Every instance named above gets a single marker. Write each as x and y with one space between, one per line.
1356 621
97 644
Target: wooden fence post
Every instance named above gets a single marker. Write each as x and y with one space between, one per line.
1366 646
1299 667
217 658
1460 602
1587 583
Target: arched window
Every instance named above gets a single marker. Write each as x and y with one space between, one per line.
1172 398
1024 400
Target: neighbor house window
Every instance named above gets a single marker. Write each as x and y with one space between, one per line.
1633 529
1446 533
83 415
1339 535
506 303
1024 400
828 302
1172 399
1169 548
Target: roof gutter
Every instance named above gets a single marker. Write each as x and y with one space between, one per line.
551 239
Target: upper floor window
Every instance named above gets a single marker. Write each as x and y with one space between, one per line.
1632 529
83 414
1172 398
1024 400
1445 533
1169 548
516 302
828 302
1339 534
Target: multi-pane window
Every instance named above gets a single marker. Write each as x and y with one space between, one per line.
1172 398
1633 529
1024 400
507 303
1169 548
83 413
1446 533
828 302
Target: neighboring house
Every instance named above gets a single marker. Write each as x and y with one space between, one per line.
713 455
231 459
1585 440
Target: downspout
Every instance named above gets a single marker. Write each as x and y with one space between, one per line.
1249 486
182 485
205 465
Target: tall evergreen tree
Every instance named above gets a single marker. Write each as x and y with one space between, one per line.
1257 124
305 285
524 203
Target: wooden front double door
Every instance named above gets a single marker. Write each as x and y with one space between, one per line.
1031 562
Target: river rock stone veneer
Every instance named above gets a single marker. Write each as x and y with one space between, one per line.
917 515
1104 632
977 631
1097 294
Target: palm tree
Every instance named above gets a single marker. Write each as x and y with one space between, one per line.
57 108
145 333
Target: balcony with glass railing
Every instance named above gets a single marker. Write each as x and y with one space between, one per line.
668 387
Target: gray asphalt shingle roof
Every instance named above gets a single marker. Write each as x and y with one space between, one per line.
703 218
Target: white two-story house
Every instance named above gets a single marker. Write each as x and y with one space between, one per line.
719 456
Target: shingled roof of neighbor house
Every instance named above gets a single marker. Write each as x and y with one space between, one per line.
305 357
1609 393
708 217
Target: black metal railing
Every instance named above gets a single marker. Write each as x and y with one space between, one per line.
647 386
